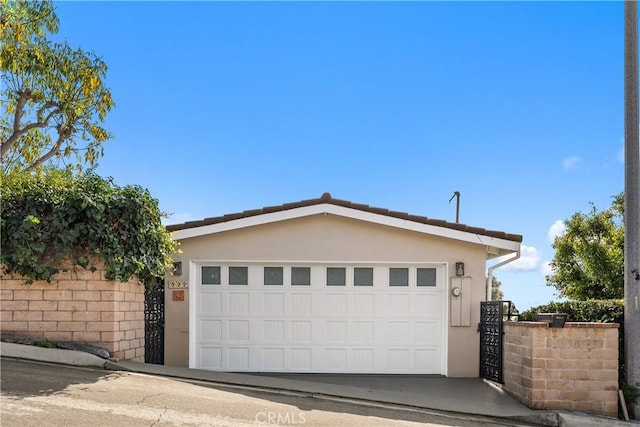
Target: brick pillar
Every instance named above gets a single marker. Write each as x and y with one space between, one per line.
574 368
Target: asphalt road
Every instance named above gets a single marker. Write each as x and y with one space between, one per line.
40 394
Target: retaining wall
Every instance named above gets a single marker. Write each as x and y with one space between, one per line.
80 306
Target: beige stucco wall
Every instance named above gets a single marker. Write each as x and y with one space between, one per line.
332 238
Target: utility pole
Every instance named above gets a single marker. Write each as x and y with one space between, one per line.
631 198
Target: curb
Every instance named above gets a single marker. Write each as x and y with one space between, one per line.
571 419
51 355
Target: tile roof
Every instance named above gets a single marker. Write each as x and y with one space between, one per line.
326 198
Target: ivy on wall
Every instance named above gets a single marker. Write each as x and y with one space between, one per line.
54 218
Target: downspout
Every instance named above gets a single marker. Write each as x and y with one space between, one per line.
493 267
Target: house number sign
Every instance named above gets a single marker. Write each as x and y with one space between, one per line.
177 284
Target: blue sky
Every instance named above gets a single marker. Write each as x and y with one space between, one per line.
228 106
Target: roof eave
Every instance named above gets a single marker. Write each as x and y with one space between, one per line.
495 246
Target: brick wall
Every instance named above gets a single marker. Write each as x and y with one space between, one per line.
80 306
574 368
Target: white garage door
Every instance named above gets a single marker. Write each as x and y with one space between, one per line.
284 317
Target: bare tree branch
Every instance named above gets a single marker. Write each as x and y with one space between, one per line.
52 152
17 132
24 96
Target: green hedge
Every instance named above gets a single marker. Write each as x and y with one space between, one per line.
603 311
55 217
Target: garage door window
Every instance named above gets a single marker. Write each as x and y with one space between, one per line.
238 275
300 276
398 277
210 275
273 276
336 276
362 276
426 277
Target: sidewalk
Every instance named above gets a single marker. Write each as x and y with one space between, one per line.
463 396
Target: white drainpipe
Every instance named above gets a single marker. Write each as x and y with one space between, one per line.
493 267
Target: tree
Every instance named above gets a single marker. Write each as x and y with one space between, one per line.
589 257
496 289
54 98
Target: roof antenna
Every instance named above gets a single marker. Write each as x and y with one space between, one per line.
457 195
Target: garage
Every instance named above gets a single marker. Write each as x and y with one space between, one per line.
329 286
320 318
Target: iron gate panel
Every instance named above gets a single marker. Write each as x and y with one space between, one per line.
492 314
154 322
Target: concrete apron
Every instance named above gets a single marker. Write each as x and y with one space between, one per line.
466 395
458 396
471 396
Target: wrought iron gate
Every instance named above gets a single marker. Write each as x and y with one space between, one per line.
154 322
492 314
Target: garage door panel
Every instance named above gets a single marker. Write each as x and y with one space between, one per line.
238 358
334 304
274 303
301 359
427 359
398 359
273 331
392 304
210 330
336 359
238 331
362 359
211 357
428 332
238 303
301 331
362 332
210 303
274 358
362 304
320 328
302 304
335 331
427 304
398 331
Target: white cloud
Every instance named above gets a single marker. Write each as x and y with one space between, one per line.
545 269
571 162
529 260
556 229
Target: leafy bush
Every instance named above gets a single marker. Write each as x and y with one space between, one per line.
54 218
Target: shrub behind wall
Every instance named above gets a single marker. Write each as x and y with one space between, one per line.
602 311
52 219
